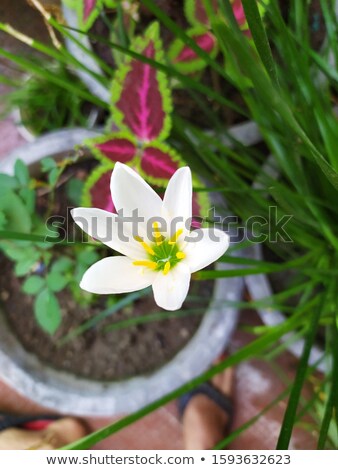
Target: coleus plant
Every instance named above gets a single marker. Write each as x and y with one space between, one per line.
182 56
141 105
89 10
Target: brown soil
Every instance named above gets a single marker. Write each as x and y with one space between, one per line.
99 354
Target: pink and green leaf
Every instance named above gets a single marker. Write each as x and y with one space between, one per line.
141 98
195 12
87 12
96 191
159 162
184 58
114 147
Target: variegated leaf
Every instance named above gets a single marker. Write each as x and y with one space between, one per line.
141 100
184 58
159 162
114 147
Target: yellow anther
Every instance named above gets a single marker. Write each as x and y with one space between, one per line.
180 255
145 246
166 268
175 237
147 264
157 234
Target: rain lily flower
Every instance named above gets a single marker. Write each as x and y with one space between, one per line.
163 253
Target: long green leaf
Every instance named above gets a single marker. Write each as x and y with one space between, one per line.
291 410
260 38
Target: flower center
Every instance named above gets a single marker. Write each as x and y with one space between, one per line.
163 254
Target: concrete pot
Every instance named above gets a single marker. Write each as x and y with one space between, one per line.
69 394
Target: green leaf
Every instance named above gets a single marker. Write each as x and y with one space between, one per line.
28 196
3 221
33 284
16 213
260 38
74 190
87 257
21 172
47 164
25 264
61 265
291 410
53 176
47 311
56 281
184 58
7 182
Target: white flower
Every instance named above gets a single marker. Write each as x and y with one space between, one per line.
163 254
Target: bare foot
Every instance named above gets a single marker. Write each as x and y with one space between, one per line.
204 421
58 434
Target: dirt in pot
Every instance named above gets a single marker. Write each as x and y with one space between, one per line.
98 353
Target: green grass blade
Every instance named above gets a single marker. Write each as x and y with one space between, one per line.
291 410
260 37
331 407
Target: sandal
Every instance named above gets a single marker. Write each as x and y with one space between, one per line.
223 401
33 423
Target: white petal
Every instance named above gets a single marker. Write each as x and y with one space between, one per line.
209 245
177 202
131 193
170 290
104 226
116 275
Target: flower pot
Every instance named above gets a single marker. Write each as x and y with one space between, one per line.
70 394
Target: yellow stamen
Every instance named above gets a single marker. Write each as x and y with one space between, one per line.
157 234
145 246
174 238
180 255
147 264
166 268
